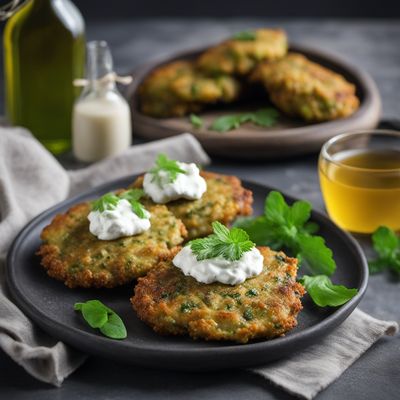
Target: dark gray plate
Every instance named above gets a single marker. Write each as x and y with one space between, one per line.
50 304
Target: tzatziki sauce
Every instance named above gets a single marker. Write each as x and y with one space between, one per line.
189 185
219 269
118 222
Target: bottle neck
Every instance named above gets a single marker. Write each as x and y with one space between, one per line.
99 67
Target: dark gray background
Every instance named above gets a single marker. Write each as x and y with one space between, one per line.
374 45
238 8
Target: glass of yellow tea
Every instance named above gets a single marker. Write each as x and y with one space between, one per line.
360 180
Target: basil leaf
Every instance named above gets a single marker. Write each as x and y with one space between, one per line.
98 315
95 313
114 328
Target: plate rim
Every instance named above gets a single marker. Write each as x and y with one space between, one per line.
95 341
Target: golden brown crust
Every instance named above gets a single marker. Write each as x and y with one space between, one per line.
224 200
302 88
70 253
240 57
177 88
262 307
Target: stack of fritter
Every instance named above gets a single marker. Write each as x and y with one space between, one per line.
264 306
296 85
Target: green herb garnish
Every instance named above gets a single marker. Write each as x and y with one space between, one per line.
133 196
99 316
188 306
262 117
324 293
284 226
106 202
110 200
288 226
196 121
229 244
387 244
248 314
252 292
171 167
245 36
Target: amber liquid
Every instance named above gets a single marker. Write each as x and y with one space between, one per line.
361 189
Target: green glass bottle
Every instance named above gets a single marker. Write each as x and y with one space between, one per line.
44 51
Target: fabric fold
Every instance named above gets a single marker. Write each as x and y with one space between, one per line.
311 370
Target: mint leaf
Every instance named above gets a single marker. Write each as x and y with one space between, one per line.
98 315
171 167
114 328
299 213
262 117
387 244
318 256
324 293
275 208
226 123
225 243
259 231
288 226
196 121
245 36
106 202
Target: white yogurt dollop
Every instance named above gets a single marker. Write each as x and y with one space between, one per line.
118 222
219 269
190 185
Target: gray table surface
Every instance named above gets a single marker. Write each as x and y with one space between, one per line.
371 44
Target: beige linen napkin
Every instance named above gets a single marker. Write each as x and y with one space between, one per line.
31 180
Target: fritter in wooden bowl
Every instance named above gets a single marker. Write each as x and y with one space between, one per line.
178 88
302 88
242 53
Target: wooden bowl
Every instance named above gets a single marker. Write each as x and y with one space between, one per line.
289 137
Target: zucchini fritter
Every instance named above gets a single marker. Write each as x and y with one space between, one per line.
235 56
302 88
70 253
177 88
224 200
265 306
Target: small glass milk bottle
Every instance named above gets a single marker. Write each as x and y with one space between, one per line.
101 123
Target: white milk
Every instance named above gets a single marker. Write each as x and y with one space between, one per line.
101 122
101 127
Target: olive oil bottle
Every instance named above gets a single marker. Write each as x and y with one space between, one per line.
44 51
